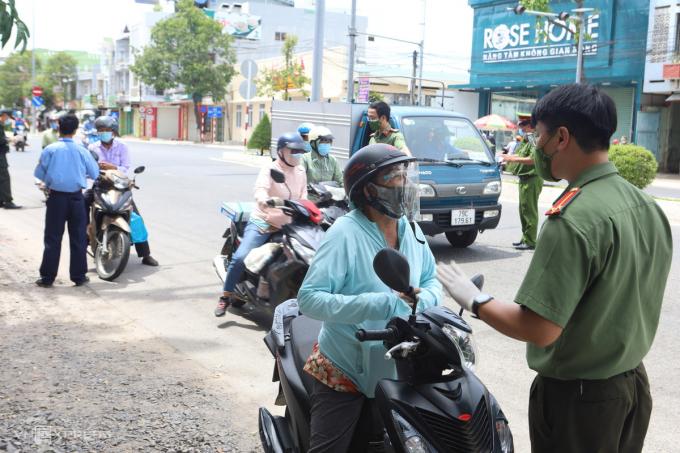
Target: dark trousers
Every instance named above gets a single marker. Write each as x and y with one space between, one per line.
335 418
64 208
142 248
594 416
5 187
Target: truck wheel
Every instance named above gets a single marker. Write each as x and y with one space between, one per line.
461 239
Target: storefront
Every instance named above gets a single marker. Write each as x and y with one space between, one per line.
517 59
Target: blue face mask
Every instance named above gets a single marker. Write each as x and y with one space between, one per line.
295 156
308 147
54 126
106 136
324 149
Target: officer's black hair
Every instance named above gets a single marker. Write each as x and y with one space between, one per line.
68 124
381 108
587 112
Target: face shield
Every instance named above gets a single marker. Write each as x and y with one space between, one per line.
394 191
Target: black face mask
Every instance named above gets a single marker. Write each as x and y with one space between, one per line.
394 202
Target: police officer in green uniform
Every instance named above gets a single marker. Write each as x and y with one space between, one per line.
5 186
379 122
530 184
590 302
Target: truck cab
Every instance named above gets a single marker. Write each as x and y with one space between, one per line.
460 181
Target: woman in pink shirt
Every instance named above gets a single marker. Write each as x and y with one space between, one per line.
265 220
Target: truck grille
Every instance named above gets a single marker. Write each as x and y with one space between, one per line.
443 219
473 436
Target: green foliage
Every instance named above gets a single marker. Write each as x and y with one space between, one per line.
187 49
15 79
374 96
635 163
292 76
262 135
469 144
59 67
9 20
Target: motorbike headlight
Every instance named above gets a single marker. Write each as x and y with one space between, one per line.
120 183
464 343
504 436
426 190
305 252
492 188
413 440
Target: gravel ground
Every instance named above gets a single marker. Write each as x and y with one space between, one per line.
73 383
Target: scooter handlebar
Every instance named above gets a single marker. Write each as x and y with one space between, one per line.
376 335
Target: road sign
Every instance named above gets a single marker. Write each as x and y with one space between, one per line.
215 112
38 101
142 109
37 91
247 89
248 69
364 89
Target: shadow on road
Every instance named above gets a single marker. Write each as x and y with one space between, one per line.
476 253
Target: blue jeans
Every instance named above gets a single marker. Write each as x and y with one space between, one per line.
252 239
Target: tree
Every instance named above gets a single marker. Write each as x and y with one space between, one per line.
59 67
375 96
291 76
188 49
15 79
9 20
262 135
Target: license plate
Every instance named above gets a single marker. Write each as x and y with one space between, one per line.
463 217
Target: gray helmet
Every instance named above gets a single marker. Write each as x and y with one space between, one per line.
106 122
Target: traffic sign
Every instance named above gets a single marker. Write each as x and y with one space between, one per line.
37 91
248 69
38 101
247 89
215 112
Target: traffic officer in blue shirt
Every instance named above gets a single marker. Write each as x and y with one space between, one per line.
64 167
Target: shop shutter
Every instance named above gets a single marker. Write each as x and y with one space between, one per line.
624 100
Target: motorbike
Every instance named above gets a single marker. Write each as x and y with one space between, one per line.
435 404
20 138
331 201
109 232
274 272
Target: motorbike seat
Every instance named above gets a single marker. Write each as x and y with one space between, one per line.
304 334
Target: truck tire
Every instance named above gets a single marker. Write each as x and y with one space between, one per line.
461 239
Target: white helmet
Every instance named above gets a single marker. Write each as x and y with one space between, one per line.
318 132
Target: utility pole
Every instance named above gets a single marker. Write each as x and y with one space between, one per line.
317 70
581 37
352 44
33 113
422 54
413 76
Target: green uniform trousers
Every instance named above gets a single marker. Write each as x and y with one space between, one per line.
529 189
5 188
590 416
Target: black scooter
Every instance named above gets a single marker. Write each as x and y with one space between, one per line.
436 404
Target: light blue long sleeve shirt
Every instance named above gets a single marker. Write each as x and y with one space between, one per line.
64 166
342 290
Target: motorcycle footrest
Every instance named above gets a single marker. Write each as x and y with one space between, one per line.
275 433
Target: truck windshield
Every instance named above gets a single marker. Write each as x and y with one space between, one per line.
445 139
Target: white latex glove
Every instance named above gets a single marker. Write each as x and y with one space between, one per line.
458 285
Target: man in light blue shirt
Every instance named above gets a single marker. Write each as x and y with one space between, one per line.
64 167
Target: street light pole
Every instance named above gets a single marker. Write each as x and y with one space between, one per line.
352 44
33 114
317 69
422 54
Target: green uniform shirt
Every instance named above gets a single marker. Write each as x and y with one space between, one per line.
599 271
321 168
525 149
394 138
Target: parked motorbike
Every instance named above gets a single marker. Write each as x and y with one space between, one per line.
436 403
274 272
330 199
20 138
109 229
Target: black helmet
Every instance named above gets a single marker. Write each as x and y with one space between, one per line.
290 140
106 122
368 161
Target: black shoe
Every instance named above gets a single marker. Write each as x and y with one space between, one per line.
10 205
42 283
515 244
222 306
524 247
83 281
149 261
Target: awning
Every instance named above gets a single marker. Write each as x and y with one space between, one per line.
675 97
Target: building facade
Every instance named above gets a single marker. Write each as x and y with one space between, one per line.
659 123
516 59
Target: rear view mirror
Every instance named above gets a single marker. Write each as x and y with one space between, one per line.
139 170
393 269
277 176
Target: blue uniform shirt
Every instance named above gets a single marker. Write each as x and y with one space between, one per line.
65 165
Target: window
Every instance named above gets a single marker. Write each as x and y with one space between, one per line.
280 36
239 115
262 111
677 34
250 116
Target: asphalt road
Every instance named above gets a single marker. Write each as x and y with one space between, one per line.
180 194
